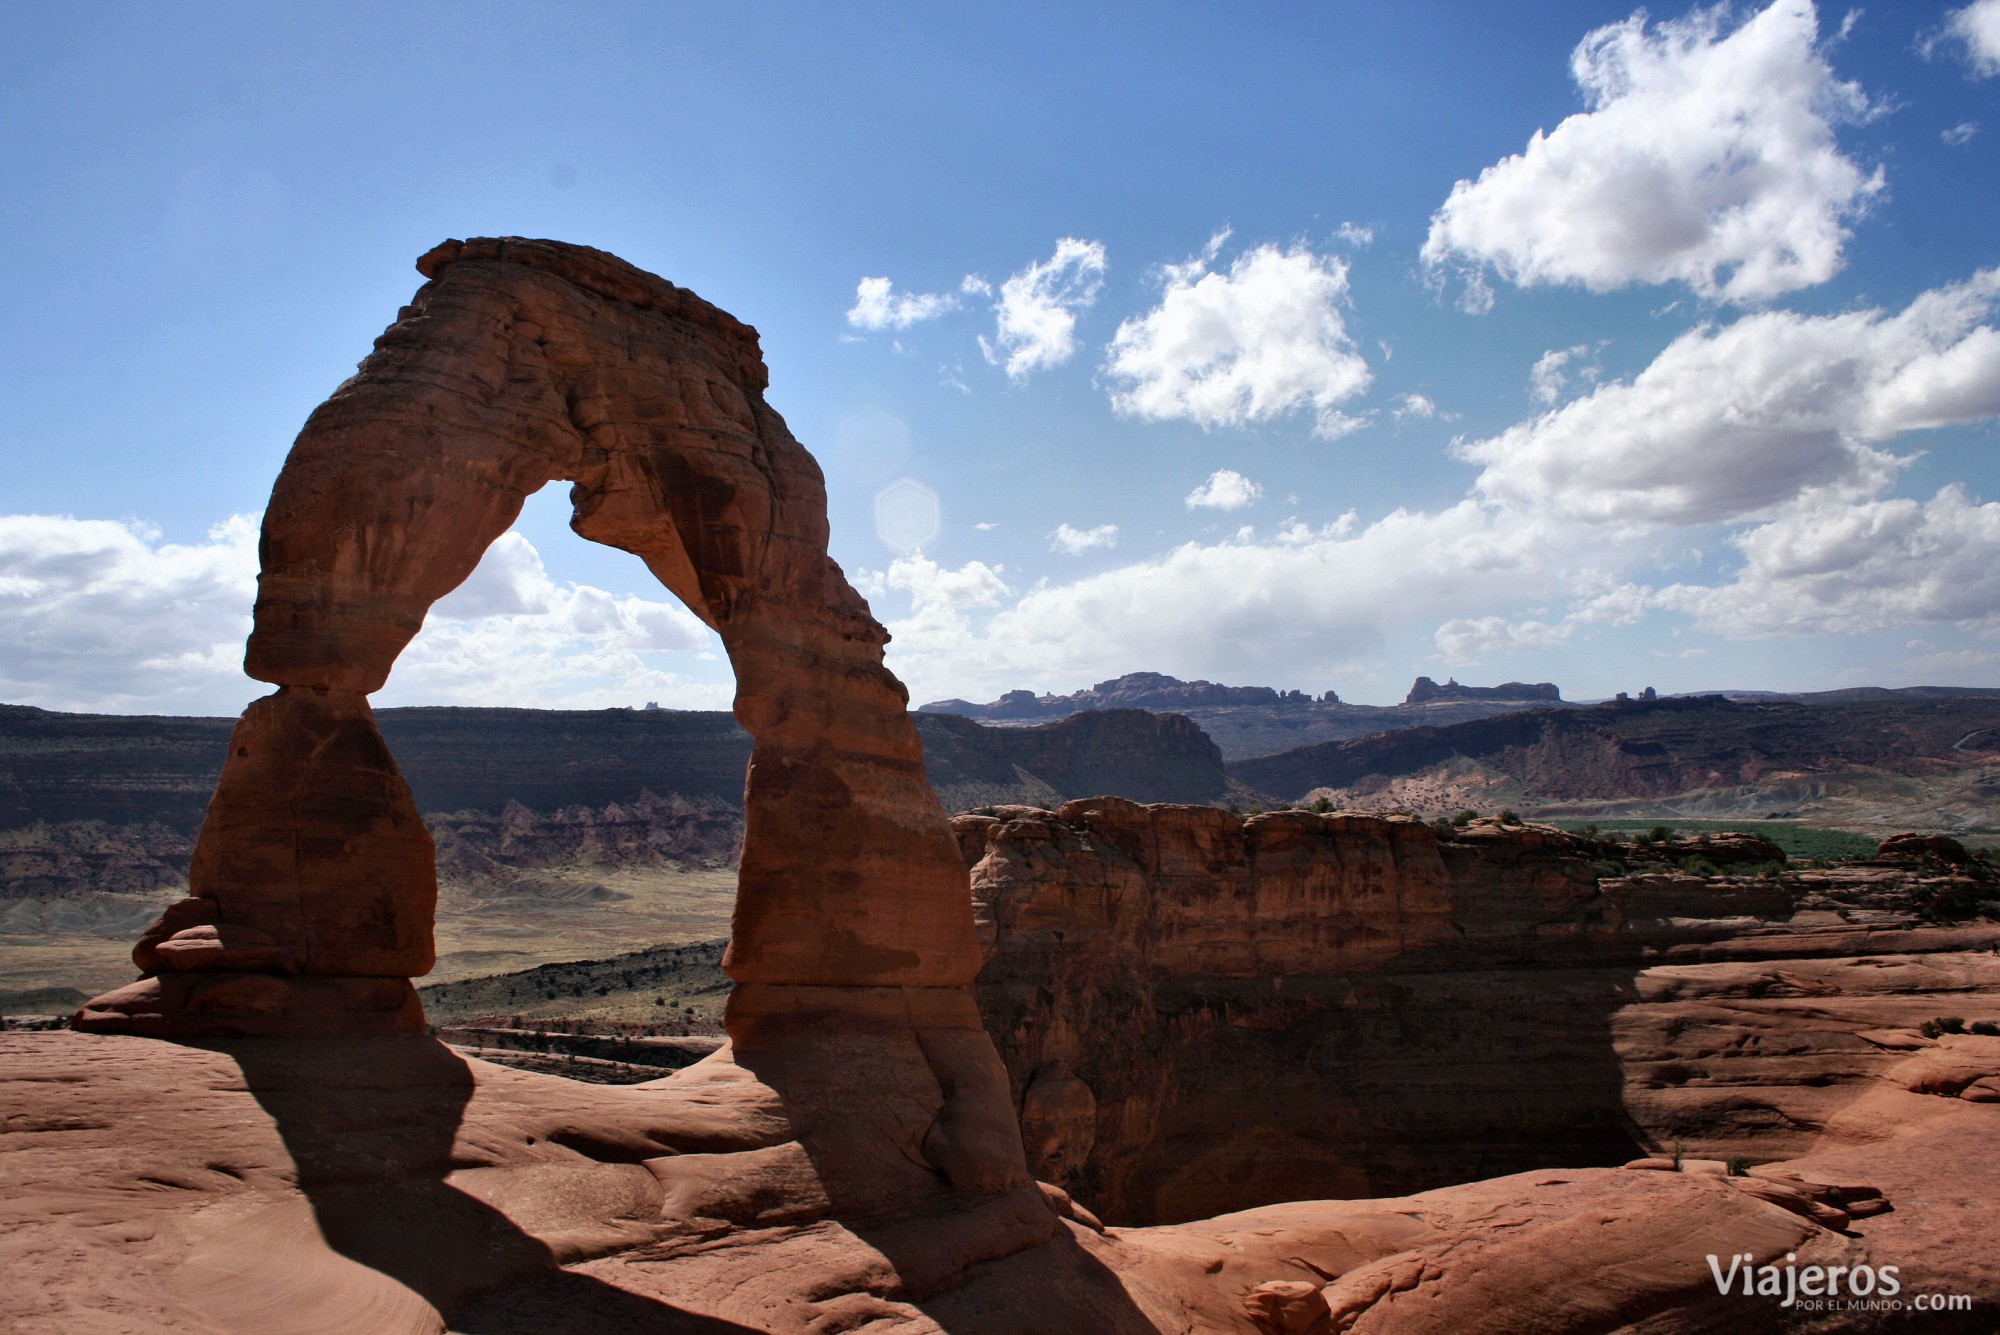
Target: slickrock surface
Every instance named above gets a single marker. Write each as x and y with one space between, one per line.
1200 1013
393 1186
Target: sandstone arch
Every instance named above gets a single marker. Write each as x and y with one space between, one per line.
520 363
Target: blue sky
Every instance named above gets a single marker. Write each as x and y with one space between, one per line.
1309 346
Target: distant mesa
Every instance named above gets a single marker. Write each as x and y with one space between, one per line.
1135 690
1426 691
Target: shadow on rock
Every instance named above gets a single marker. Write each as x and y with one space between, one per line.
370 1126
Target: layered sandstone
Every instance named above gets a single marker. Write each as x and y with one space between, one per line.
1202 1013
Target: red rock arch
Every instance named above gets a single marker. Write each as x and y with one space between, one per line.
519 363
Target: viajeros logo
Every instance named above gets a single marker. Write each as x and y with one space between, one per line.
1828 1288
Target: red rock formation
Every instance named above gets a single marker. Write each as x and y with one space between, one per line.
518 363
1201 1013
521 362
392 1187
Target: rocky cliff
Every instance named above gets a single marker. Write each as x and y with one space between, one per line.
99 803
1773 751
1143 756
1243 721
1202 1013
1426 691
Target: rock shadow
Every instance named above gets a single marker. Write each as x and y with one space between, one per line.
370 1126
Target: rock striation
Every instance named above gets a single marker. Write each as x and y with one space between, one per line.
1139 755
1201 1013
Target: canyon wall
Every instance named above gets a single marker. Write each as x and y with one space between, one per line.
1201 1013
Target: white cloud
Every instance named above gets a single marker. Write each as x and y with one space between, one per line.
512 635
1226 489
1829 565
1354 234
1552 371
1077 540
1224 349
96 614
877 306
986 526
1464 639
102 615
1308 601
1036 313
1959 135
1707 157
1977 28
1417 406
1729 422
974 584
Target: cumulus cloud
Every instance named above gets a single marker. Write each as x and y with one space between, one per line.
1707 157
513 635
1552 371
1976 29
1829 564
974 584
1728 422
1466 639
1354 234
1036 312
1226 489
1414 406
1959 135
97 614
1308 600
1226 348
1077 540
878 306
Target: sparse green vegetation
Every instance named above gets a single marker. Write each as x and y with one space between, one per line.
686 982
1798 841
1943 1024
